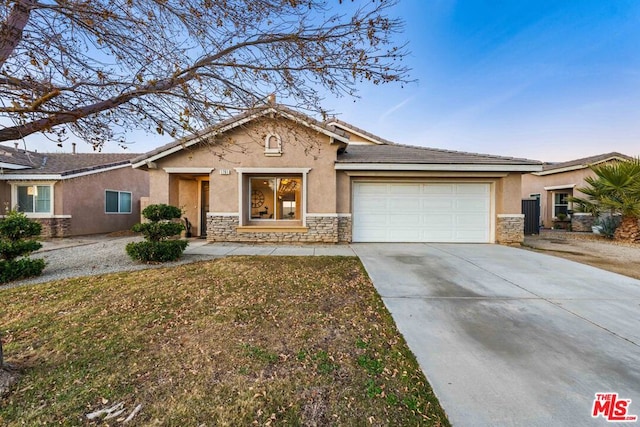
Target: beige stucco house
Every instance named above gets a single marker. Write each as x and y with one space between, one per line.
557 182
275 175
72 194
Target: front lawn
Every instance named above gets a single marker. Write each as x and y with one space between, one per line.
236 341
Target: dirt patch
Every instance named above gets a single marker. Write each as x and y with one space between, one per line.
590 249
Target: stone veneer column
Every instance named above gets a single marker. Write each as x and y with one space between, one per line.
222 227
55 227
581 221
322 228
344 228
510 229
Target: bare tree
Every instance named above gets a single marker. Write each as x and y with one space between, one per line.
97 67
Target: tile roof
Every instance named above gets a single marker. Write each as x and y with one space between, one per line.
398 153
17 157
585 161
351 127
60 163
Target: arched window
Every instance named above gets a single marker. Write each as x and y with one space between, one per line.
273 145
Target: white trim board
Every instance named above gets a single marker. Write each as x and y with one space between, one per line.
436 167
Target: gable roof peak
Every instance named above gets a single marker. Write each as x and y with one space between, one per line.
239 120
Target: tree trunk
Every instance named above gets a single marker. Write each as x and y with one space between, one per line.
628 230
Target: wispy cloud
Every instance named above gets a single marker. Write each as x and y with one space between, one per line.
395 108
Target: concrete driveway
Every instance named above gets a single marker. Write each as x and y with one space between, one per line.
509 337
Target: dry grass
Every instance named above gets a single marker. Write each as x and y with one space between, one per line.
237 341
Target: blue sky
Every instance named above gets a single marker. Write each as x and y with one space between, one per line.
545 80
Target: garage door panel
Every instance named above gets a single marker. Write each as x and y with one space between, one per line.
372 204
413 189
372 234
374 220
399 204
471 205
438 189
439 221
472 189
406 220
421 212
438 204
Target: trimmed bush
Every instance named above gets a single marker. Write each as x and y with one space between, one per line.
20 269
157 232
159 212
166 250
16 243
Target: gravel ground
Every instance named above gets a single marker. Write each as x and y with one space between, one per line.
587 248
90 256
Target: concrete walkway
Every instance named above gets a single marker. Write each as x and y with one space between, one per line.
202 247
509 337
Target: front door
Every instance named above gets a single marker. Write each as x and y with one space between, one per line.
204 208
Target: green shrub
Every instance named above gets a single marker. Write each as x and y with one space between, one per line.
157 232
163 251
15 245
20 269
16 226
160 212
10 250
608 225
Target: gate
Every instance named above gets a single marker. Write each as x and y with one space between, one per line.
531 211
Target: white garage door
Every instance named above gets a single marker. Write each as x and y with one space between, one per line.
421 212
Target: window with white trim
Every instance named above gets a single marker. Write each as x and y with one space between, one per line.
34 199
117 202
276 198
560 203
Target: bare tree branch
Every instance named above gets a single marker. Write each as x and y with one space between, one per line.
180 65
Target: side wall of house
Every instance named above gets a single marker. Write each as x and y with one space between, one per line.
533 184
83 199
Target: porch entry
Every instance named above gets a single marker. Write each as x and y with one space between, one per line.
204 207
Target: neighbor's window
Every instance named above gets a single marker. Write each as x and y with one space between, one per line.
34 198
276 198
560 203
117 201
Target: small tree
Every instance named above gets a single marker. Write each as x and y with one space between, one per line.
16 243
615 188
161 227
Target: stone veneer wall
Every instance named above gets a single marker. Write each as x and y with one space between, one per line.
320 229
510 229
581 222
54 227
344 228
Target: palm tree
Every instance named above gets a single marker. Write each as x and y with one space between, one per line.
616 188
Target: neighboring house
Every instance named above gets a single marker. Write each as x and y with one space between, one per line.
275 175
556 182
72 194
